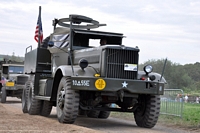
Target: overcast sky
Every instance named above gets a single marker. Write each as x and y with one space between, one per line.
160 28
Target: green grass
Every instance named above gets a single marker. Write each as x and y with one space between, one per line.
191 113
190 117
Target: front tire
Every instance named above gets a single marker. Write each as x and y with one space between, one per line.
148 111
67 102
33 105
3 95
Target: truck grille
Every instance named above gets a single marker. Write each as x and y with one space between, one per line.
116 59
21 79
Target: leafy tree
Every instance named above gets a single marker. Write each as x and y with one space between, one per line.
193 71
12 58
186 77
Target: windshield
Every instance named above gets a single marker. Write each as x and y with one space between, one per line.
16 69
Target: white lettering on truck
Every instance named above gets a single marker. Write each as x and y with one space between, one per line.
81 82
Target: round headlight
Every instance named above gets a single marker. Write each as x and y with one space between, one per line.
148 69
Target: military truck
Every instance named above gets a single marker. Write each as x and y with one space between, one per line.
78 76
12 80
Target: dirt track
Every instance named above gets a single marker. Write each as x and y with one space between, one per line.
13 120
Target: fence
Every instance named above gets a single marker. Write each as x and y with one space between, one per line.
172 102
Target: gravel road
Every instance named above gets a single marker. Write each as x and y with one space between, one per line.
13 120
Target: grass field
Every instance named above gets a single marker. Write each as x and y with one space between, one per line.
190 117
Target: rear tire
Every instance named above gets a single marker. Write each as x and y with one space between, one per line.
3 95
104 114
67 103
33 105
82 112
24 100
148 111
46 108
93 113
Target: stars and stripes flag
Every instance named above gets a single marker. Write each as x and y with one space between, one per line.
3 80
38 32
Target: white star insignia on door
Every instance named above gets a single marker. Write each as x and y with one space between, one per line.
124 85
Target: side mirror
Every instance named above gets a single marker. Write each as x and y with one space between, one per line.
50 43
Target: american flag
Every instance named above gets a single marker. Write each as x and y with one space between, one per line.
38 31
3 80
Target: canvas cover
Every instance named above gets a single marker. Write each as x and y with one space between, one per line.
60 37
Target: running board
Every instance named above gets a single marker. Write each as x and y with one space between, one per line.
42 98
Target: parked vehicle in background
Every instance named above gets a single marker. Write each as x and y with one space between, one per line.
12 81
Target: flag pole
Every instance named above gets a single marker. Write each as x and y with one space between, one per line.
39 27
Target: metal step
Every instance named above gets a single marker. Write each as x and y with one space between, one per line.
42 98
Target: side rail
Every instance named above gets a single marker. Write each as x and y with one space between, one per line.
172 102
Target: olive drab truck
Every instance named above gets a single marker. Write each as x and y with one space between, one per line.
78 76
12 80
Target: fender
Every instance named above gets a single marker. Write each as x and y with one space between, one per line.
158 76
66 70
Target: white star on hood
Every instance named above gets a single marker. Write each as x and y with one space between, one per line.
124 85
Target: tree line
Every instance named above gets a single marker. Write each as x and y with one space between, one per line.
13 57
185 77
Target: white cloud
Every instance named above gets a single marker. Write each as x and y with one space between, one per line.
150 9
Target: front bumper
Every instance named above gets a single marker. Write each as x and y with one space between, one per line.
114 85
15 87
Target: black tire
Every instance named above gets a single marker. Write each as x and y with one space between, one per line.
148 111
46 108
82 112
104 114
24 100
93 113
33 105
67 103
3 95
